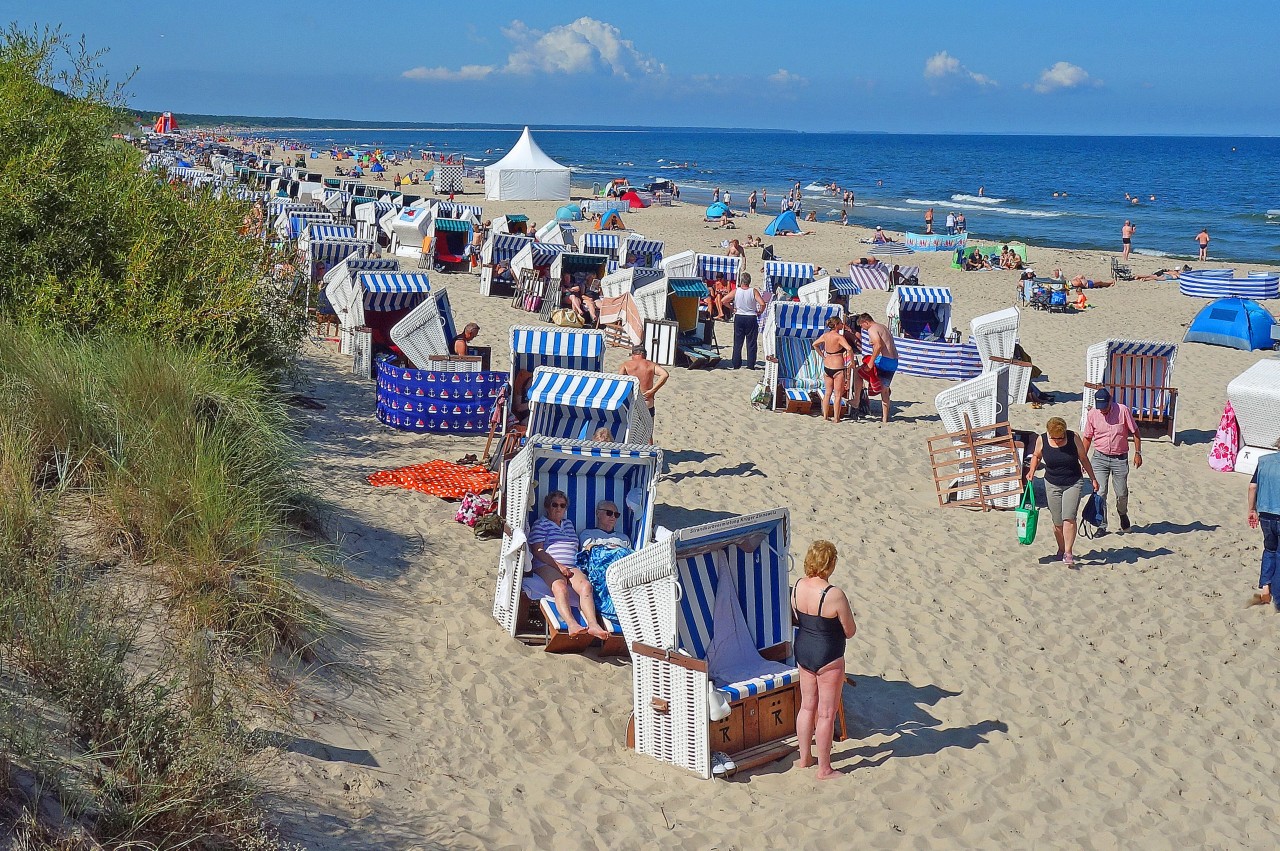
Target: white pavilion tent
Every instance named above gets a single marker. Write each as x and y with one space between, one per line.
526 174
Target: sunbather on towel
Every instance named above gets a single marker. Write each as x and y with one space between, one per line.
1080 282
601 547
553 544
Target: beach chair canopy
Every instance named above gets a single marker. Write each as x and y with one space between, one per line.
571 404
601 243
920 313
626 281
688 288
329 251
502 247
587 472
535 346
639 251
996 334
426 330
392 290
340 281
789 276
710 266
870 277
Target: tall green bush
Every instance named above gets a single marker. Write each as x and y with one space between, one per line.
89 241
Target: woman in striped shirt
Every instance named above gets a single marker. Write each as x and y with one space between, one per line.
553 544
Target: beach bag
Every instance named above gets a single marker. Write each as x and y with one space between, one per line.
489 526
567 317
1226 443
1092 516
1027 516
473 507
760 397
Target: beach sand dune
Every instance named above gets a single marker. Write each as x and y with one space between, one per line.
1002 700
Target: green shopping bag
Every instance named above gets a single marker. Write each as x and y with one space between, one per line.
1027 516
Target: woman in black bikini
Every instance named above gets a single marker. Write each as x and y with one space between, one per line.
836 355
819 651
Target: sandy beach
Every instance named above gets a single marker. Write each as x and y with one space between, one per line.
1002 700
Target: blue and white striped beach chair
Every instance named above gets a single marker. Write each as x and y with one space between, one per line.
601 243
587 472
1139 374
792 369
787 277
569 404
707 601
829 289
710 266
647 253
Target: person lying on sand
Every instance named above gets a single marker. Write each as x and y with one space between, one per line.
1163 274
1080 282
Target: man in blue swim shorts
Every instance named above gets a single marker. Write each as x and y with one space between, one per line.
883 360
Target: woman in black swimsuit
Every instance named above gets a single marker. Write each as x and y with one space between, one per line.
836 355
819 651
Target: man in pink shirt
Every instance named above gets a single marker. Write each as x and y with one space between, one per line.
1107 429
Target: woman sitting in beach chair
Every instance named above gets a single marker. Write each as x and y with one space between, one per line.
553 547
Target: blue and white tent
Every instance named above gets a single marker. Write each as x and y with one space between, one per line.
587 472
789 277
565 403
700 609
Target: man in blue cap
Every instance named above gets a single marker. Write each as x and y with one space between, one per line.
1107 429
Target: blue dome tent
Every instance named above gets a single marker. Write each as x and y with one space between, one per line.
377 167
569 213
717 210
1236 322
784 223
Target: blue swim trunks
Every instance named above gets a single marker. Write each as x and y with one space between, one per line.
885 368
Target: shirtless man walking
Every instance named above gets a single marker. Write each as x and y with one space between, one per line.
882 363
651 375
834 349
1126 238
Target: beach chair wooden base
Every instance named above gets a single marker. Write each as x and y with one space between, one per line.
615 335
976 468
696 357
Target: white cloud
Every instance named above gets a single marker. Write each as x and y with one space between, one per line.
585 46
1063 75
466 72
943 64
788 78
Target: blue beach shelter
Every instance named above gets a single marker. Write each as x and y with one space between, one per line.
717 210
785 222
1236 322
569 213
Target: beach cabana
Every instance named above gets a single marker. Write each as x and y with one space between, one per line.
710 266
496 255
381 300
601 243
920 320
996 334
709 607
367 215
526 174
792 369
1139 374
571 404
787 277
426 331
1239 323
829 289
580 266
324 254
1255 396
972 408
1222 283
630 297
557 232
339 282
637 250
587 472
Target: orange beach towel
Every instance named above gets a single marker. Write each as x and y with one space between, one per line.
438 478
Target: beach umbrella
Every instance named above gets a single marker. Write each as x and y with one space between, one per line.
889 248
377 167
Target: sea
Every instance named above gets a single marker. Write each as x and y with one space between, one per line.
1059 191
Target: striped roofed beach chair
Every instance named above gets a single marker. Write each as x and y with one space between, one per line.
1255 396
601 243
1138 373
628 298
996 336
587 472
383 299
569 404
709 607
792 369
497 253
786 277
426 330
829 290
638 251
710 266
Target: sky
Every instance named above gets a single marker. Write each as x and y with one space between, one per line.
1080 67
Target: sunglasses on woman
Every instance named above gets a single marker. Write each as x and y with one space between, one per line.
609 512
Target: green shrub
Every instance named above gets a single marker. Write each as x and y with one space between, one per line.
89 241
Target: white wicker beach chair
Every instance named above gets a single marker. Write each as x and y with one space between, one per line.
587 472
571 404
984 402
666 597
421 333
1139 374
995 335
1255 396
792 370
829 290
